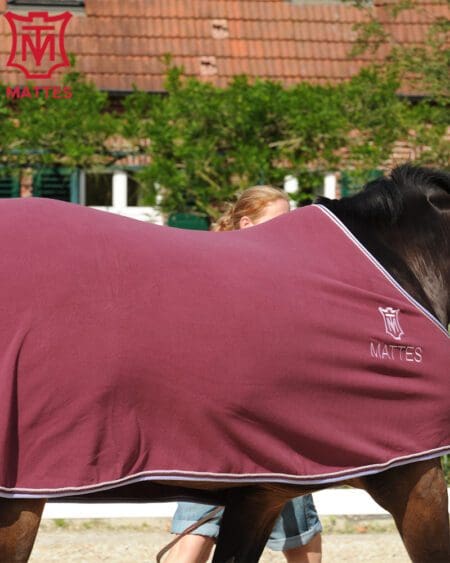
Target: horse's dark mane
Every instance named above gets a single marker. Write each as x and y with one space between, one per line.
384 199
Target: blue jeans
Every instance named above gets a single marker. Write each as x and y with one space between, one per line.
297 524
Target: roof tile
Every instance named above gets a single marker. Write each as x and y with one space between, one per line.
219 29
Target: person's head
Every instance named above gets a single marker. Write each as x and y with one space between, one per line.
254 206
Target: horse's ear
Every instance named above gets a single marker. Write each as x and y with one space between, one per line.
440 200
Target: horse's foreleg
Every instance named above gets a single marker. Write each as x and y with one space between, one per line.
248 519
416 496
19 523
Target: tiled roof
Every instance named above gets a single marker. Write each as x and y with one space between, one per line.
121 43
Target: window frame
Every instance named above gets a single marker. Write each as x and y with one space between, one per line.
45 3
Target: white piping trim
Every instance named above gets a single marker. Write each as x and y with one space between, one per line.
381 268
194 476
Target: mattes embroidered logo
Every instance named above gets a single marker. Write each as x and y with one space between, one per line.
38 43
397 352
391 322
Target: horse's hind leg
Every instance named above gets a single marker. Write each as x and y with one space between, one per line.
19 523
248 519
416 496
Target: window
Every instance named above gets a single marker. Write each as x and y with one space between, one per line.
134 191
99 189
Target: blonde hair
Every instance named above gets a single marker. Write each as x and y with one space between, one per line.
251 203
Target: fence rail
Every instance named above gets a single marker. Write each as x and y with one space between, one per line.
337 502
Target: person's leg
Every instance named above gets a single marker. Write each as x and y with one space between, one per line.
297 532
309 553
195 547
191 549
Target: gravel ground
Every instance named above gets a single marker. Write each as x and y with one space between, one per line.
345 540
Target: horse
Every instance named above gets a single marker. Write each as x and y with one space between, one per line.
403 220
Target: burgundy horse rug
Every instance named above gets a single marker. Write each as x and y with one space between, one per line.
132 352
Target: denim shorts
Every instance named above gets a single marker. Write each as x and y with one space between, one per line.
297 524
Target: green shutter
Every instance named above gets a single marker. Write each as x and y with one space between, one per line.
55 183
352 181
188 221
9 186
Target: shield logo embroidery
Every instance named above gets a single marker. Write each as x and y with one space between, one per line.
38 43
391 322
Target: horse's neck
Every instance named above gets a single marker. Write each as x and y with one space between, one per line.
415 269
424 251
434 280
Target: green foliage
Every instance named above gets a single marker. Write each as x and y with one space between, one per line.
316 126
353 181
206 143
446 467
371 104
370 36
43 130
422 68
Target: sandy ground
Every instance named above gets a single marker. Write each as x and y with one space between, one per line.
353 540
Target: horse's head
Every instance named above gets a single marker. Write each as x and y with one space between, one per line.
404 220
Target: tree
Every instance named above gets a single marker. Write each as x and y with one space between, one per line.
44 131
421 70
205 143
